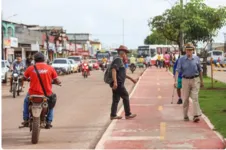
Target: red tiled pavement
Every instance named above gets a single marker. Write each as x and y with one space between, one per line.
159 123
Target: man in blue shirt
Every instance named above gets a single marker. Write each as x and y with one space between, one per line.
190 67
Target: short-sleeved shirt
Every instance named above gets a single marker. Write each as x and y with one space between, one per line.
121 71
167 58
158 57
189 67
19 65
132 60
47 74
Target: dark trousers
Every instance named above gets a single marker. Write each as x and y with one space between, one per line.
120 92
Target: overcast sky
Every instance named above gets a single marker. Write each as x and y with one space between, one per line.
102 18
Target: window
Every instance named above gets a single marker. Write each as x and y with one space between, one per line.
217 53
75 58
60 61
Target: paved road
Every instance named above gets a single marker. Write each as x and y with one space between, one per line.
80 118
218 75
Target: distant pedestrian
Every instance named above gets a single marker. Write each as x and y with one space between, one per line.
179 80
118 87
167 61
190 67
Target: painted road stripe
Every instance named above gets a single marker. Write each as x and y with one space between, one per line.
162 130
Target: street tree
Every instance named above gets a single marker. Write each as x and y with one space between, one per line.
198 21
155 38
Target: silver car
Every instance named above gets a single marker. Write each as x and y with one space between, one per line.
5 69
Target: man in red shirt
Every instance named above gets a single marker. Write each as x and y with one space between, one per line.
47 74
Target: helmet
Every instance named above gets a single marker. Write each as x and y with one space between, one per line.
39 57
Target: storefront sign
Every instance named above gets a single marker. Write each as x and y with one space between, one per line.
35 47
13 42
10 51
7 43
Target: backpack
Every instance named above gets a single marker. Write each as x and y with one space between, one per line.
108 73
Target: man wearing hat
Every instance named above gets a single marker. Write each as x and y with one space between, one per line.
190 67
118 87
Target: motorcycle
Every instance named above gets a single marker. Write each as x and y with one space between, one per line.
103 66
17 81
85 70
38 110
132 67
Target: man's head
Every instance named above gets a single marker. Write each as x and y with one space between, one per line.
122 51
39 57
166 52
18 59
189 48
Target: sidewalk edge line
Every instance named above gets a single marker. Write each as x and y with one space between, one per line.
103 139
208 122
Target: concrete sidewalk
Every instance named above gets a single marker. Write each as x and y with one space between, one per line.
159 123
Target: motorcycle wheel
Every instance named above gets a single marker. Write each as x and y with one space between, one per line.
35 130
14 90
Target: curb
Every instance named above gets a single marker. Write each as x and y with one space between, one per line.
100 144
208 122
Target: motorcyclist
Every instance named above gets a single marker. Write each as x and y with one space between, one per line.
132 60
48 75
17 64
104 60
86 62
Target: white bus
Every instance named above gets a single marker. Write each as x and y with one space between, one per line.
153 50
216 54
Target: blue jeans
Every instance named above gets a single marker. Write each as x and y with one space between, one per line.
26 110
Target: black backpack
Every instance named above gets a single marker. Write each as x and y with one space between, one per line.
108 73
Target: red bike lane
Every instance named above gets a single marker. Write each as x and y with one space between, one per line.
159 124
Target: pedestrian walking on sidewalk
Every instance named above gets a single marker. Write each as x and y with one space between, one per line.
190 67
179 79
118 87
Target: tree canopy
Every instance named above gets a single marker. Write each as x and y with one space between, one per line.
198 21
155 38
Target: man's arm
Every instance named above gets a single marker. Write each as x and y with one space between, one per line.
55 77
114 75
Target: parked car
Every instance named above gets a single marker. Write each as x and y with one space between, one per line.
74 66
78 60
5 69
62 63
94 64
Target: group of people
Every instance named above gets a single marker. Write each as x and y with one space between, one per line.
165 61
187 74
48 76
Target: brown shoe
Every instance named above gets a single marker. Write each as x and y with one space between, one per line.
131 116
196 119
116 117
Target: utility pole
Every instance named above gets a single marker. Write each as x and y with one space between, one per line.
47 42
181 31
2 40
